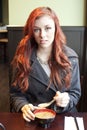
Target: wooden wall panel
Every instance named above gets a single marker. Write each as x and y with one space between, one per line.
14 36
75 40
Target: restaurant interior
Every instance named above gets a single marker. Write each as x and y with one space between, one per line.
11 31
73 20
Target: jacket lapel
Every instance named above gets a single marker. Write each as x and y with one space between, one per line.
38 72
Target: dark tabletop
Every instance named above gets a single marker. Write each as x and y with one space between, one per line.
14 121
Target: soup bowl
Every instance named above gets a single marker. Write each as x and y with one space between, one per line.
44 117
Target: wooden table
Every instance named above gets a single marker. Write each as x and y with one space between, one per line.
14 121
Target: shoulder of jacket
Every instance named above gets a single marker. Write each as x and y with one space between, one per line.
70 52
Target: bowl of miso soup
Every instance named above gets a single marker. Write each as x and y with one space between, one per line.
44 117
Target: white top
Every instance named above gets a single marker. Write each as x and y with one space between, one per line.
45 66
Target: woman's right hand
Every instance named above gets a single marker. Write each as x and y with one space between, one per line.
27 112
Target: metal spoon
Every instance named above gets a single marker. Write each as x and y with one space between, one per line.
42 105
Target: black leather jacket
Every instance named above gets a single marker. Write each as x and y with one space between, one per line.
38 82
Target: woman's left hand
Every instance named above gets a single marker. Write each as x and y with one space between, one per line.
62 99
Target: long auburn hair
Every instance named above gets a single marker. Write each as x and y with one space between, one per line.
58 61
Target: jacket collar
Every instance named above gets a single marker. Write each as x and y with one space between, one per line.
38 72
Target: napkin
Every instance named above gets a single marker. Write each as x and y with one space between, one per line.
69 123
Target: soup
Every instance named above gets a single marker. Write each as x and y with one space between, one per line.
45 114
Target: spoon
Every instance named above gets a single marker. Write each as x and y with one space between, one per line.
42 105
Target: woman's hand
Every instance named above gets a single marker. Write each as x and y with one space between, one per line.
62 99
27 112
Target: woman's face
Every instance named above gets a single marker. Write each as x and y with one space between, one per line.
44 31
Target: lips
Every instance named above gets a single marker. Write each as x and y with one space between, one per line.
43 41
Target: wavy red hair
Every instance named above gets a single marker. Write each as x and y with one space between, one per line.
58 59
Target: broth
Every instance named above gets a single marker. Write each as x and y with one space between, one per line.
44 115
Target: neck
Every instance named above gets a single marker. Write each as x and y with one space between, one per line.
43 53
41 61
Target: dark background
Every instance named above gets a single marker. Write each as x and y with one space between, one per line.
0 12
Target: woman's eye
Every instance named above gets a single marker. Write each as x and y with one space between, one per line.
47 28
36 30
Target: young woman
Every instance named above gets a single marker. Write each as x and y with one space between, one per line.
44 67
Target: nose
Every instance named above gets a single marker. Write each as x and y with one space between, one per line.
42 33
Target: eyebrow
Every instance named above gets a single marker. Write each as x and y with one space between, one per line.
36 27
45 26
